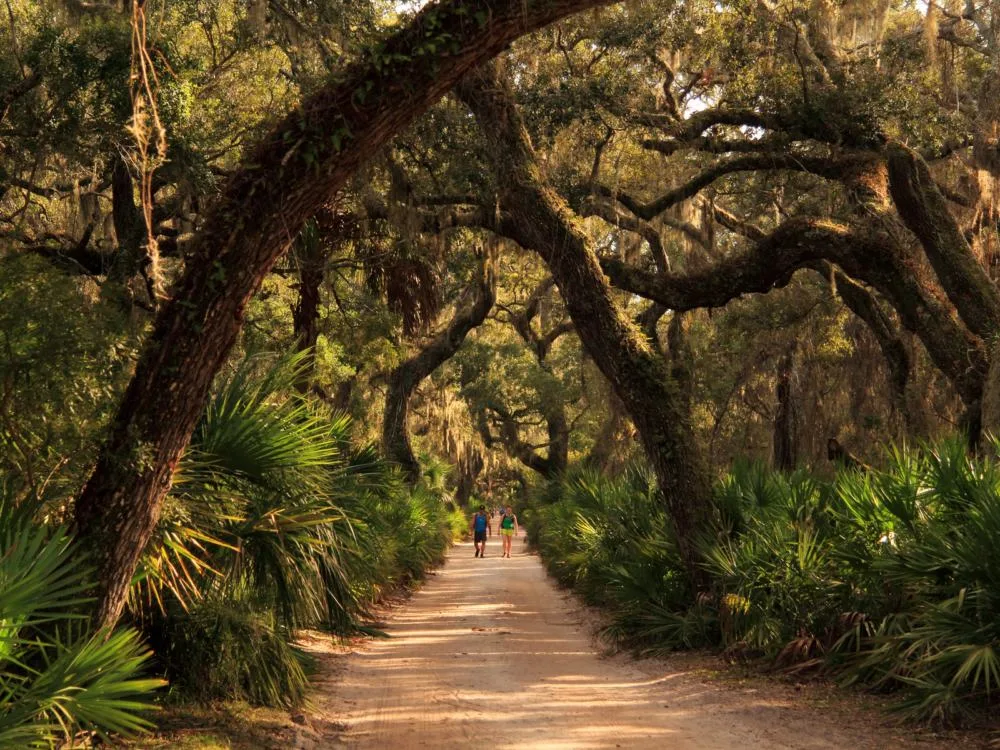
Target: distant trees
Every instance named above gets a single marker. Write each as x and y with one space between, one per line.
538 219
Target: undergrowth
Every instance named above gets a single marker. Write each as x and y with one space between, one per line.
888 579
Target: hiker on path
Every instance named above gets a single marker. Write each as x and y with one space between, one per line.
508 529
481 523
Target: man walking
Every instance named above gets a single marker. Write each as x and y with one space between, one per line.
481 524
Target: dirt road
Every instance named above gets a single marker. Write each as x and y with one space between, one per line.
489 653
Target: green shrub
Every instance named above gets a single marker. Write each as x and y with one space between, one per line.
889 578
277 521
941 640
226 650
57 677
609 538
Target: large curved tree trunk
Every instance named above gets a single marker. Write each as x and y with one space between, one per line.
308 157
538 219
976 298
404 379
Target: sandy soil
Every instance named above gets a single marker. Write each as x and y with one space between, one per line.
490 652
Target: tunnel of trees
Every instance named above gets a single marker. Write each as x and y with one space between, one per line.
274 271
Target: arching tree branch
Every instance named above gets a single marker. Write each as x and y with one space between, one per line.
306 158
405 378
821 166
538 219
870 256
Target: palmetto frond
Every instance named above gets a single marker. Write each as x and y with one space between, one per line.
57 677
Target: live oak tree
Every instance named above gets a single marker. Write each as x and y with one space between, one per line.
795 210
825 110
405 378
298 166
535 216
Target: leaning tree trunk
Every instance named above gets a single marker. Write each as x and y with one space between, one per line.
538 219
305 159
404 379
969 288
986 157
133 257
925 212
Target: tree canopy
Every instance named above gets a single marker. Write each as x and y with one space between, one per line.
679 232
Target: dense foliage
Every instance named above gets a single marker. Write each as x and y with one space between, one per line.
57 677
277 522
695 237
886 578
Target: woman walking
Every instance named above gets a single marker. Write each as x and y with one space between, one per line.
508 529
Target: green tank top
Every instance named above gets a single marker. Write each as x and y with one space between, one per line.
507 522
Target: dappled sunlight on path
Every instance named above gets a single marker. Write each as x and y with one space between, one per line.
489 651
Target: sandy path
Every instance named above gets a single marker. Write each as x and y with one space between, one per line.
490 652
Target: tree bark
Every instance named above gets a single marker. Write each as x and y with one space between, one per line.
305 159
127 219
311 257
404 379
783 443
925 212
538 219
863 304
